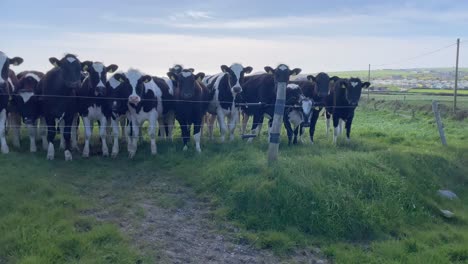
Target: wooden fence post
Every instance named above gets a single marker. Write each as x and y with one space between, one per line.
440 126
275 131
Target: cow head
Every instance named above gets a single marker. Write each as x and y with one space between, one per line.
354 88
236 76
133 83
282 73
5 63
97 74
24 98
296 98
71 70
177 69
119 94
322 83
186 82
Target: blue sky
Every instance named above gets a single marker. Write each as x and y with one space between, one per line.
313 35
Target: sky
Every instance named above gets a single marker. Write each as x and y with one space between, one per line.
153 35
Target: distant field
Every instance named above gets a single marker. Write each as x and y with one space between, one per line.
375 74
438 91
420 99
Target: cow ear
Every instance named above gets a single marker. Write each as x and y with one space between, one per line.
248 70
111 68
199 77
295 72
54 61
86 65
311 78
224 68
334 78
172 76
16 61
366 85
190 70
269 70
147 79
119 77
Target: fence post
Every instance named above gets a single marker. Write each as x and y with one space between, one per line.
456 78
440 126
275 131
368 88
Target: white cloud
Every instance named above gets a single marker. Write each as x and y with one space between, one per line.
194 15
155 53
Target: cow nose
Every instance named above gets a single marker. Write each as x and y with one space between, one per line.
237 89
134 99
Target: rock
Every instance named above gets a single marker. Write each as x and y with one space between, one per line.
447 194
447 213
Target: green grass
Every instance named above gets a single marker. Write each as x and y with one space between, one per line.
372 200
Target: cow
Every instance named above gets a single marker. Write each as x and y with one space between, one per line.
8 81
226 86
191 102
316 88
144 104
297 112
59 102
342 103
118 103
26 103
93 102
261 89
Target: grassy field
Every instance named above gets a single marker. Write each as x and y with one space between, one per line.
438 91
377 74
372 200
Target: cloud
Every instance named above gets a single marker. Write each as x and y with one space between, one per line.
193 15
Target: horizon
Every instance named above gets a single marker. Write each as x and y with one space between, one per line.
336 36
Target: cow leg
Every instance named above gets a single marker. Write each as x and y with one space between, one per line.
32 131
245 120
153 119
336 129
43 133
349 122
67 134
289 130
74 132
233 120
170 120
103 135
296 131
256 126
197 133
3 142
328 116
88 128
123 126
134 139
211 121
222 124
62 139
162 128
15 123
115 134
185 134
51 131
341 126
313 123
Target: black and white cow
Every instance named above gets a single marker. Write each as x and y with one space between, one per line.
297 111
59 102
191 98
93 102
26 103
342 103
119 107
317 89
144 104
226 86
261 89
8 81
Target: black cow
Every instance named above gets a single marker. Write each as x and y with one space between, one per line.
59 102
226 87
26 103
342 103
119 107
8 82
297 111
317 89
261 89
93 102
191 97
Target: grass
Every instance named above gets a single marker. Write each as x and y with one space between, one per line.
438 91
372 200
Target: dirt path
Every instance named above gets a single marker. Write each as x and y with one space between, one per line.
167 222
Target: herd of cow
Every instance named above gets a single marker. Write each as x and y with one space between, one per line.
54 101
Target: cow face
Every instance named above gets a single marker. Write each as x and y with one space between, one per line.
71 70
134 83
119 92
296 98
5 63
236 76
177 69
282 73
186 82
322 83
24 97
97 73
354 88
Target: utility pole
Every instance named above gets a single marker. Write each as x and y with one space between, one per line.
456 78
368 88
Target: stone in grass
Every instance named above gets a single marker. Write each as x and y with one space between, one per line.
447 194
447 213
